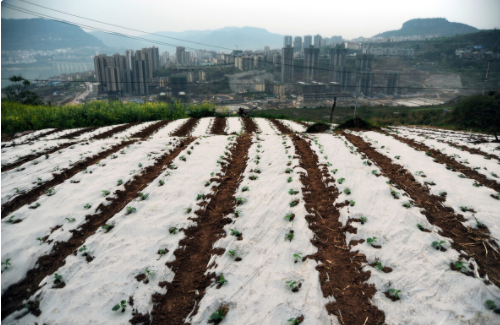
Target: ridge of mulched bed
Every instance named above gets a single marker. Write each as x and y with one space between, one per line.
186 128
117 129
280 126
249 125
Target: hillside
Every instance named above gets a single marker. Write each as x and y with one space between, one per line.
42 34
246 38
430 26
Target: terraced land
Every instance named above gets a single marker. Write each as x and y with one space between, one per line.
250 221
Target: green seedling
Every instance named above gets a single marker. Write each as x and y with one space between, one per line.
443 194
297 257
382 147
140 165
189 152
431 183
218 315
122 152
82 249
38 180
107 227
143 196
494 175
397 157
207 183
395 293
461 176
222 280
199 197
232 252
477 167
329 164
490 304
374 172
496 196
161 182
335 171
105 193
371 240
288 170
289 236
487 158
407 205
449 167
347 191
71 219
119 182
395 194
253 177
131 210
39 239
464 209
435 160
291 191
188 210
149 273
379 266
289 217
237 213
476 184
87 206
363 220
341 180
438 244
6 264
11 219
460 266
122 305
420 227
289 180
184 158
427 153
173 230
235 233
291 283
293 203
245 189
240 200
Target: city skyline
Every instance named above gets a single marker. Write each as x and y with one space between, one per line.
385 15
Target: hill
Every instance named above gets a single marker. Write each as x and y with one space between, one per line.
42 34
246 38
430 26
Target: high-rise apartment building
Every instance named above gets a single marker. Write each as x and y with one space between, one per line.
335 40
307 42
201 75
155 57
364 62
317 41
287 41
287 64
337 60
297 46
326 42
179 54
109 70
310 70
267 49
140 77
128 81
129 54
164 58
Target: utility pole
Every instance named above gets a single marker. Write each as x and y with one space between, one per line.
486 78
333 108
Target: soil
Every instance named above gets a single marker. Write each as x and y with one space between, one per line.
386 269
471 240
218 126
249 125
238 259
77 133
140 277
31 157
192 258
33 195
318 128
355 124
302 123
148 131
186 128
117 129
450 161
280 126
48 264
471 150
341 272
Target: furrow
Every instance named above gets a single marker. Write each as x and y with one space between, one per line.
219 126
117 129
27 139
148 131
77 133
32 157
472 150
249 125
14 296
281 127
341 274
265 126
33 194
471 240
186 128
191 260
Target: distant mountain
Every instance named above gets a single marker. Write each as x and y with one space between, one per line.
430 26
42 34
245 38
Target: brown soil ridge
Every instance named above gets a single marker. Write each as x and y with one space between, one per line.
15 295
302 123
117 129
471 150
280 126
144 134
219 126
186 128
34 156
31 139
341 274
33 195
192 258
77 133
249 125
471 240
450 161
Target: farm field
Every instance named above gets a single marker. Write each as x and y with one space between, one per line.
250 221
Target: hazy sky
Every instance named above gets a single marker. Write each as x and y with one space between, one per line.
350 19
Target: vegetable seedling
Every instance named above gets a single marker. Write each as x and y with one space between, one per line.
237 213
6 264
240 200
235 233
131 210
70 219
294 321
39 239
461 176
288 170
490 304
289 180
371 240
464 209
289 236
122 305
329 164
347 191
443 194
87 206
407 205
245 189
82 249
289 217
232 252
431 183
105 193
293 203
460 266
173 230
395 293
395 194
335 171
420 227
397 157
363 220
341 180
352 203
143 196
291 283
207 183
494 175
297 257
188 210
253 177
379 266
374 172
219 314
438 244
161 182
291 191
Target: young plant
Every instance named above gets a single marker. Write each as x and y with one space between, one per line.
122 305
173 230
161 182
341 180
352 203
289 217
297 257
431 183
291 191
289 180
219 314
237 213
143 196
395 194
131 210
494 175
235 233
379 266
443 194
461 176
240 200
232 252
222 280
39 239
87 206
50 192
105 193
253 177
363 220
188 210
397 157
289 236
291 283
335 171
245 189
207 183
422 228
460 266
6 264
407 205
374 172
288 170
293 203
395 293
347 191
438 244
107 227
490 304
464 209
184 158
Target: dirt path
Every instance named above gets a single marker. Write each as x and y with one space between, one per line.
186 128
475 241
15 295
191 259
219 126
250 126
341 274
281 127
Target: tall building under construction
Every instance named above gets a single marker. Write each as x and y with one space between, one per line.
337 60
311 56
391 83
287 65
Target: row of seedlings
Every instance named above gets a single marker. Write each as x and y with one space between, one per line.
234 125
143 238
165 133
27 138
262 268
413 279
265 126
203 127
294 126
